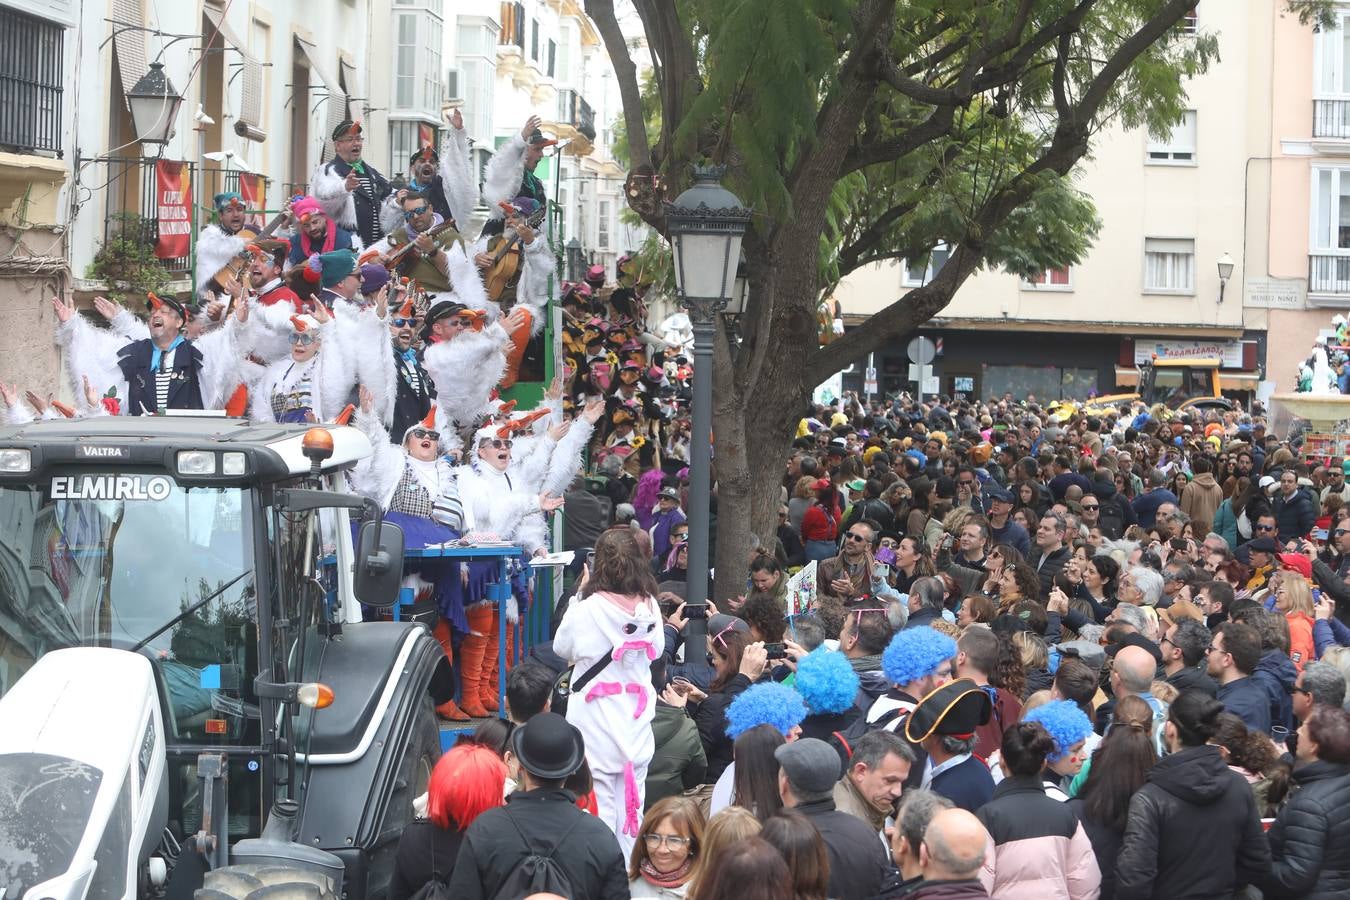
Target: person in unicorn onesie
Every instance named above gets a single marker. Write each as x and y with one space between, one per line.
610 638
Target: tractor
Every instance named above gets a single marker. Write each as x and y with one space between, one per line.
190 697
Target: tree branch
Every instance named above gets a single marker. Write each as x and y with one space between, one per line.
630 92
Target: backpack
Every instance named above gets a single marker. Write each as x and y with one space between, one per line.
1111 518
537 873
844 741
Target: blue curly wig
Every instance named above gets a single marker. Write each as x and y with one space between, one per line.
826 681
1066 723
916 653
769 703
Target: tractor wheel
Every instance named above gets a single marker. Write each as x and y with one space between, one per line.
258 882
414 773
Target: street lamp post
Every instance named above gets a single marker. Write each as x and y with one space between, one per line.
1225 273
705 224
154 106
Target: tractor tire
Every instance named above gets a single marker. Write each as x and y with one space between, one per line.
257 882
414 773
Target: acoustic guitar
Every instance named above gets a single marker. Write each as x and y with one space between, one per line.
506 263
406 256
230 274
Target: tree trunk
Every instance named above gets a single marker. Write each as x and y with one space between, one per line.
757 402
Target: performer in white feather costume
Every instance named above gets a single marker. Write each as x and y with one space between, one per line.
416 487
448 181
220 242
162 368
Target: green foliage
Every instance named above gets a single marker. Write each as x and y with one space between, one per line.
127 262
651 116
656 261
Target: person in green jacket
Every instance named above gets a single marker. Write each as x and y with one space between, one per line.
679 763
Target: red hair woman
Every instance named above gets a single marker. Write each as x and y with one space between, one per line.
465 782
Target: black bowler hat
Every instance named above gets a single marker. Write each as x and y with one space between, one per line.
346 128
441 309
957 708
1263 545
548 746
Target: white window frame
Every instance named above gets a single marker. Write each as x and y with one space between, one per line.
603 231
1340 175
1171 152
929 273
1331 41
1180 291
1046 286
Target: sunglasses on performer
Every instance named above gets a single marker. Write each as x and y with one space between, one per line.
410 214
422 434
301 339
404 323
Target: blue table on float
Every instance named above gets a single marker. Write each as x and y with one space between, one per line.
532 628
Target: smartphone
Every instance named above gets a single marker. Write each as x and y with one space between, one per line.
1179 545
590 561
776 651
681 684
1319 534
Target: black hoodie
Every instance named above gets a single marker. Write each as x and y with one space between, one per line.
1193 832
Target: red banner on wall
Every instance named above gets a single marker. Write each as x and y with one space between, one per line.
251 192
173 202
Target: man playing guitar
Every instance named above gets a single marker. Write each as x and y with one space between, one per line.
221 242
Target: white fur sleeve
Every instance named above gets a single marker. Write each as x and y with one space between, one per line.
457 177
532 533
18 414
464 370
334 374
532 469
215 248
268 332
375 361
467 282
377 475
391 214
125 323
220 363
504 173
538 264
90 351
330 189
565 461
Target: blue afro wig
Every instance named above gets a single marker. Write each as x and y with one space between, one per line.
826 681
916 653
769 703
1066 723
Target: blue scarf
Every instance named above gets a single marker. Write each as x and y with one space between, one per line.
409 355
156 353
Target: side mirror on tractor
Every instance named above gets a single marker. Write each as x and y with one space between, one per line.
379 564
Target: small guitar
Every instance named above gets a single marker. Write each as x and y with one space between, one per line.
506 263
403 258
230 274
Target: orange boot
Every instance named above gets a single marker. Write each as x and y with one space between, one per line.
472 651
487 687
448 710
520 338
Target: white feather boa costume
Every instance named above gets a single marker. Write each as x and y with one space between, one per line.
90 351
330 189
467 368
215 248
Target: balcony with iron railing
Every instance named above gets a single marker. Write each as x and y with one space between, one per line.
1331 119
1329 279
575 111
